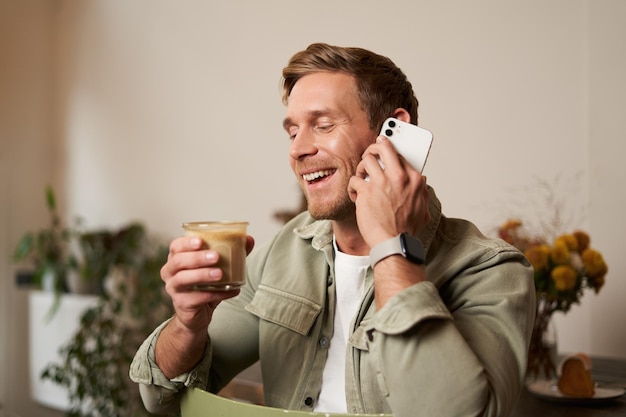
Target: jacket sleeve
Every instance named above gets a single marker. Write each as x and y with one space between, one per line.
460 349
159 394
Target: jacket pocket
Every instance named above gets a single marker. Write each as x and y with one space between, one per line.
288 310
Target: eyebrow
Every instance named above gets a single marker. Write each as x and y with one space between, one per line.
287 122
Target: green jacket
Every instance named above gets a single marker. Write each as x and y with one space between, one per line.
453 346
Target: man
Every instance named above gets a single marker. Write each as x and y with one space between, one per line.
442 332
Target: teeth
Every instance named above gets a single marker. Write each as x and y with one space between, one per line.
317 174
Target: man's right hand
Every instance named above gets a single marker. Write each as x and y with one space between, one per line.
190 264
182 342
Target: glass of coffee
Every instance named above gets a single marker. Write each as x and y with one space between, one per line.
229 240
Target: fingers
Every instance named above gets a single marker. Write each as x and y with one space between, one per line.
190 264
392 199
380 157
189 252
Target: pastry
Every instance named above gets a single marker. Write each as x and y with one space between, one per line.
575 376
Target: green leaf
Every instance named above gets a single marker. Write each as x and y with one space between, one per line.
50 198
24 247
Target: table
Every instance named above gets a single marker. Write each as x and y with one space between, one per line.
608 371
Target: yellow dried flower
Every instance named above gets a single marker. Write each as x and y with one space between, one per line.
508 232
563 270
560 252
583 240
594 263
564 277
538 256
597 283
569 240
511 225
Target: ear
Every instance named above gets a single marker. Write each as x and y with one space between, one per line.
402 114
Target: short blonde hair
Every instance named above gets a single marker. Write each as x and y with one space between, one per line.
381 86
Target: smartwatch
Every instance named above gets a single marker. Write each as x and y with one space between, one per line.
404 244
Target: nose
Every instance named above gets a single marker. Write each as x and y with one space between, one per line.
302 145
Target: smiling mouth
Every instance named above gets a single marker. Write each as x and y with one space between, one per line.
317 175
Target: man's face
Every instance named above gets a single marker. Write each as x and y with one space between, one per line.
329 131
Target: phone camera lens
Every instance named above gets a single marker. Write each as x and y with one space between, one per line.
392 123
388 132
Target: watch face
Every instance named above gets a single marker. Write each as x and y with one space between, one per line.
412 248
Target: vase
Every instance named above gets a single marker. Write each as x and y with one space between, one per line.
542 353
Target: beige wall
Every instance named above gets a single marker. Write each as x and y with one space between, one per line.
607 173
26 163
141 110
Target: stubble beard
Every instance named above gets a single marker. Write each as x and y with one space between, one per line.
338 209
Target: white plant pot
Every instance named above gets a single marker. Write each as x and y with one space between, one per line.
47 336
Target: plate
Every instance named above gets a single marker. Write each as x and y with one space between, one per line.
548 390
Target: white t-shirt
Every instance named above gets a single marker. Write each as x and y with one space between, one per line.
350 272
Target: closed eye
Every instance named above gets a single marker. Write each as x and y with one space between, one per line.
324 127
292 132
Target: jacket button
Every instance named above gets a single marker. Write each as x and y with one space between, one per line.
324 342
308 401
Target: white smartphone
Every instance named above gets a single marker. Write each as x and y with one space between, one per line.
410 141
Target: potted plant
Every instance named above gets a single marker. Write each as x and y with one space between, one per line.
48 251
68 259
100 251
95 362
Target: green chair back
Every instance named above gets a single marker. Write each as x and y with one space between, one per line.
199 403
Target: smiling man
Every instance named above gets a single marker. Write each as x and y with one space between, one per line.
329 133
342 318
